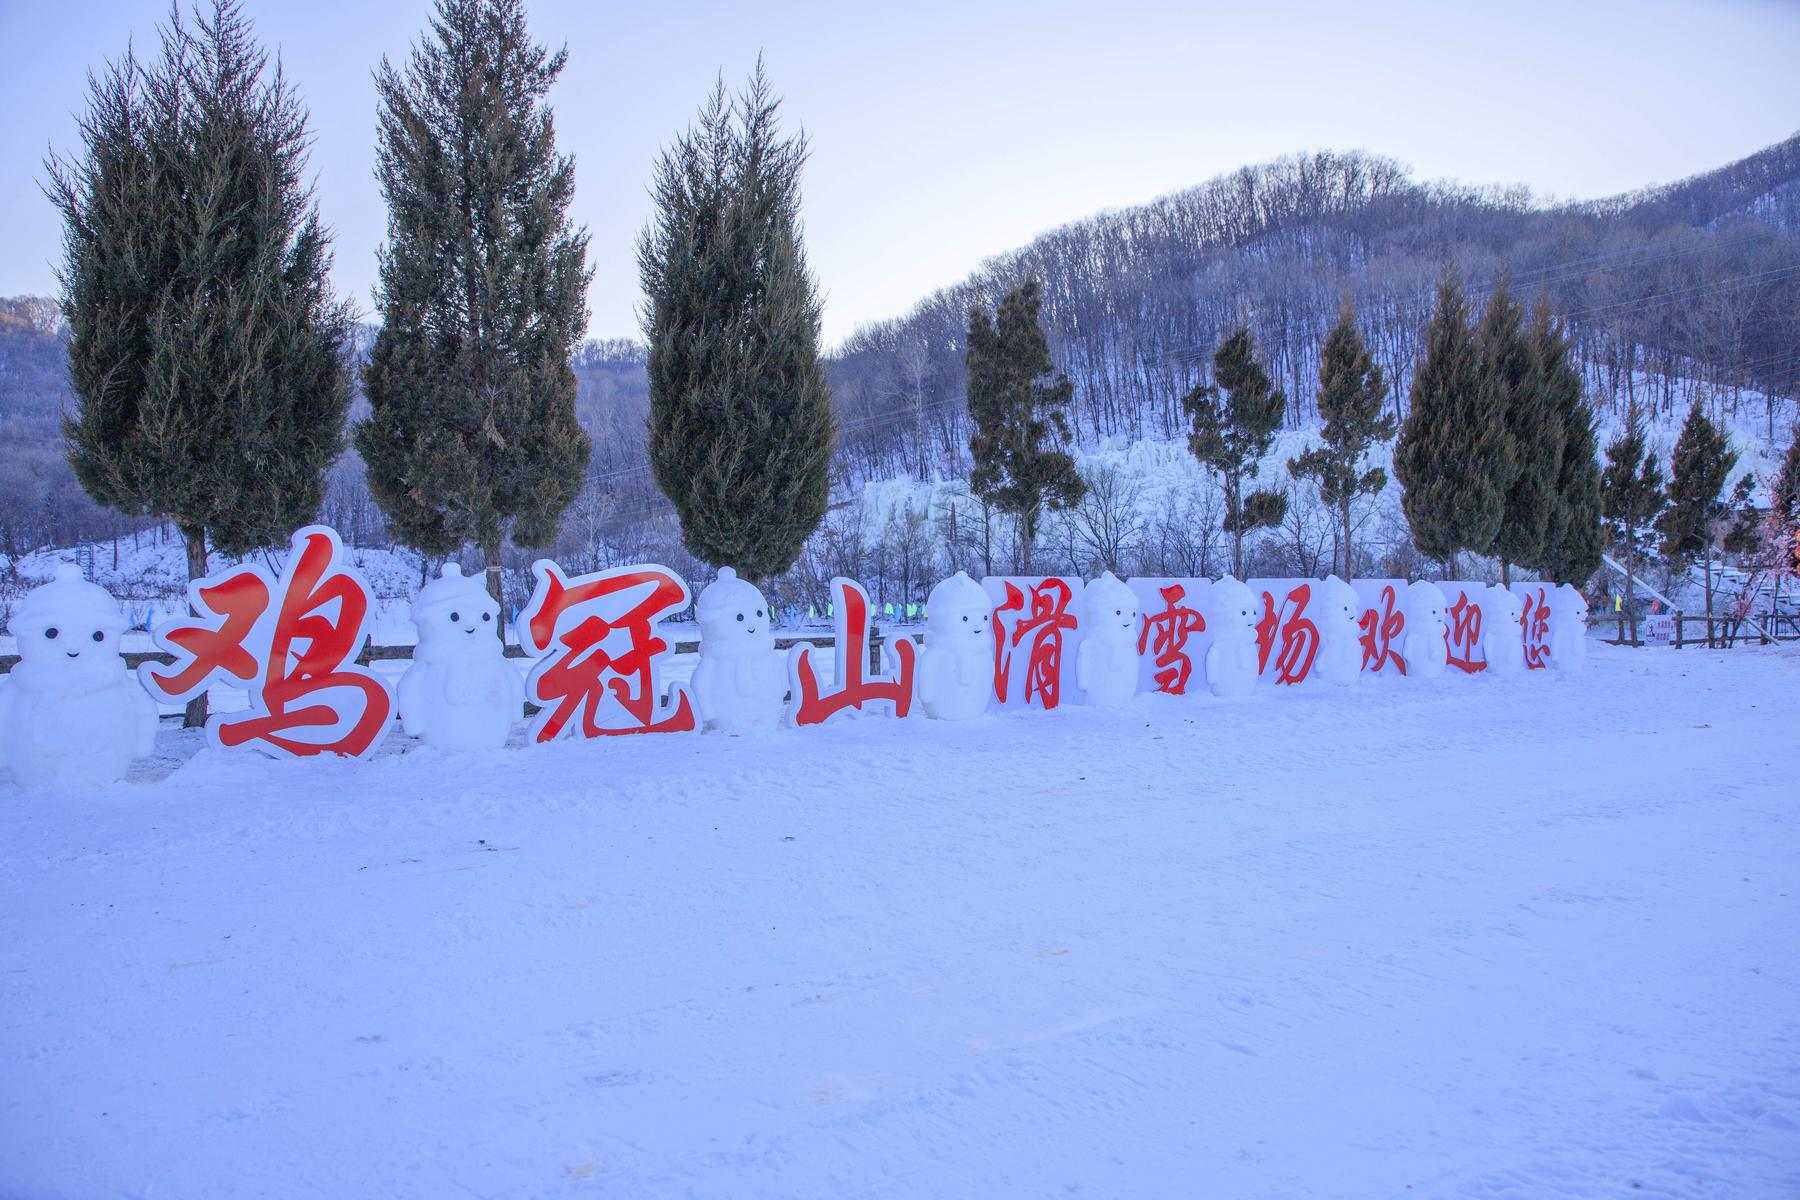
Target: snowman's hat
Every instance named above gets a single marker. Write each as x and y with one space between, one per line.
450 590
727 593
67 600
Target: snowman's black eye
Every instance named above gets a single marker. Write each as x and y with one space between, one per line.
52 632
456 616
740 616
98 636
759 612
965 620
487 616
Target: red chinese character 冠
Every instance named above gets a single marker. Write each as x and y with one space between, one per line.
287 641
1534 627
858 688
1045 622
1299 636
1381 627
1462 634
1168 632
601 652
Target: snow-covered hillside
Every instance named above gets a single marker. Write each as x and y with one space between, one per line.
1271 949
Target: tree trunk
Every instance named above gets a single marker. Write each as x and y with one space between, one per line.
1347 560
1027 535
1505 573
1709 599
490 558
195 716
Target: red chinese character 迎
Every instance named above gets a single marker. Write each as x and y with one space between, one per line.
601 652
1462 634
1381 627
292 644
1534 628
858 688
1168 631
1299 636
1045 621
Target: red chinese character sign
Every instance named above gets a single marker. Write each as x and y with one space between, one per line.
1534 622
1381 625
857 688
601 652
1173 637
1035 634
291 642
1463 631
1287 638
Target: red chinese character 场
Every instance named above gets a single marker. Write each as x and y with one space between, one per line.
1045 622
1463 633
1167 632
858 688
292 644
1381 628
1299 636
1534 628
601 653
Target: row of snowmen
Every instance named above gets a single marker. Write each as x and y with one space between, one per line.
71 713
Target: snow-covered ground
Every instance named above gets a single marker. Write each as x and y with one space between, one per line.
1528 937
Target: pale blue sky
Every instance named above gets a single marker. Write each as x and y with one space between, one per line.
943 132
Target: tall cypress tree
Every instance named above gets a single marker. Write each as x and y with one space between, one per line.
205 346
472 435
1514 383
1573 543
741 429
1450 444
1233 421
1018 405
1352 394
1702 463
1631 498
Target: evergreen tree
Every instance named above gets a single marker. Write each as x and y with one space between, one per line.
1744 537
205 346
472 435
1234 420
741 429
1631 498
1573 541
1784 505
1018 404
1702 463
1352 393
1451 446
1515 381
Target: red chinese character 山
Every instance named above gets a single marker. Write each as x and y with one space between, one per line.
1382 625
291 642
1034 615
1165 633
858 689
1462 632
1298 636
601 652
1534 627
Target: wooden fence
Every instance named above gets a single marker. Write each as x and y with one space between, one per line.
1715 631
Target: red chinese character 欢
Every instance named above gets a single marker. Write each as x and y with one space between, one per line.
601 652
1382 625
1299 636
1534 628
291 642
1462 634
1045 622
857 688
1167 633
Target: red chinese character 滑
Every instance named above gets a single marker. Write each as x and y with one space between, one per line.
1534 627
1168 631
1045 622
292 644
601 652
1381 627
1463 634
857 687
1299 636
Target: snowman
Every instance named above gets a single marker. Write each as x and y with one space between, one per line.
1231 662
1340 638
740 683
460 692
1426 649
70 713
956 668
1106 662
1502 637
1568 628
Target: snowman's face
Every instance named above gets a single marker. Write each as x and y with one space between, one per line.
952 621
77 654
463 623
1120 614
738 616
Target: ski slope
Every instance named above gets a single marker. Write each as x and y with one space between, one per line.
1528 937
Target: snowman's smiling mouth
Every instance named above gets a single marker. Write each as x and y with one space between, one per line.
749 629
468 629
73 653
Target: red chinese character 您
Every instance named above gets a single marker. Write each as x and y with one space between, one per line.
858 688
1044 622
1299 636
291 643
1534 628
601 652
1167 632
1381 627
1463 634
